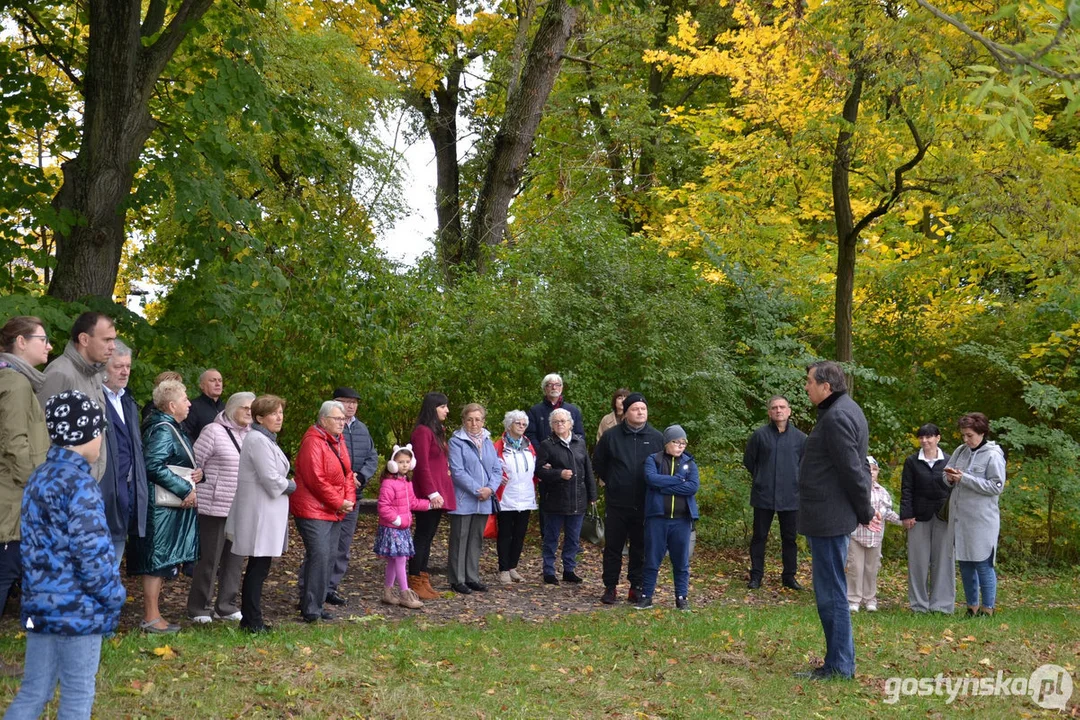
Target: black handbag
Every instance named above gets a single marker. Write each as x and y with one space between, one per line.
592 527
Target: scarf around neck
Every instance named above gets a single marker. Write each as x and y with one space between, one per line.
34 376
259 428
517 445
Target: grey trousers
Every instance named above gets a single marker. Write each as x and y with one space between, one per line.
466 541
215 561
930 554
344 545
320 541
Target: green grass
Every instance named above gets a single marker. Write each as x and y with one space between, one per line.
732 658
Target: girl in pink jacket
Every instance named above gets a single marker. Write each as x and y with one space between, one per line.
393 541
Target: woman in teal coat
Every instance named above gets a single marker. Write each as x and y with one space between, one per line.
171 532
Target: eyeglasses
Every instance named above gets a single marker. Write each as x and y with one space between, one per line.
338 418
43 338
245 407
678 443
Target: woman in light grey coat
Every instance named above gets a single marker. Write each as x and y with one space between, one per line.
976 472
258 522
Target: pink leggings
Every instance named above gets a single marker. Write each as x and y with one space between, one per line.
397 568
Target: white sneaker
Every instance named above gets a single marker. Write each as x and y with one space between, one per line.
516 577
871 607
202 619
504 577
234 617
853 607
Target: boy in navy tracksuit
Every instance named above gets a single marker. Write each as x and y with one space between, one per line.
671 481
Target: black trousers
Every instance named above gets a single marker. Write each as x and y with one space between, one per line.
622 525
425 525
513 524
789 551
251 591
10 569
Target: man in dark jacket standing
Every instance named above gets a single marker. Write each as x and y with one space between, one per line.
207 406
619 462
539 428
923 494
365 461
772 456
123 487
834 498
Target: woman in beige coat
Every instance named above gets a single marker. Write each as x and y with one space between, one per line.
258 522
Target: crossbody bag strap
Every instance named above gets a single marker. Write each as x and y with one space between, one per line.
181 439
233 438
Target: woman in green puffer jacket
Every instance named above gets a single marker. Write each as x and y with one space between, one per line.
23 437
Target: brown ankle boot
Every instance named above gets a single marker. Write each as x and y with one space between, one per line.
390 596
410 600
424 591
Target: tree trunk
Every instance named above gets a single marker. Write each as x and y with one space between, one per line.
441 123
514 139
646 174
119 79
846 234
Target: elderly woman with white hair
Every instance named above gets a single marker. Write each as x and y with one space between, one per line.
517 493
567 489
325 493
217 452
171 521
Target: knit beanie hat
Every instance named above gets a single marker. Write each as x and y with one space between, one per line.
73 418
674 432
634 397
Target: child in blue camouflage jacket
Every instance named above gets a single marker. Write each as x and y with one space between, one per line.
71 589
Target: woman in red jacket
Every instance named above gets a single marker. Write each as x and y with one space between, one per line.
325 493
431 480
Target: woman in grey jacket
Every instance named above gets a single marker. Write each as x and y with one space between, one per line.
976 472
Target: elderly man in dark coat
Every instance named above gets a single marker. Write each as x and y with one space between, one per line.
772 457
834 498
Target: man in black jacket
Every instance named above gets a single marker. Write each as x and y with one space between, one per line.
123 486
923 494
619 462
207 405
834 497
772 457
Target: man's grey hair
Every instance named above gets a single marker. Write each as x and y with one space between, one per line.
121 350
550 378
207 371
827 371
512 417
326 407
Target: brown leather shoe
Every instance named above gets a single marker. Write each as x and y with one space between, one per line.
421 585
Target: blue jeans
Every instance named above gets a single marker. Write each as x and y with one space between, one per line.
829 556
71 660
667 536
570 527
979 577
